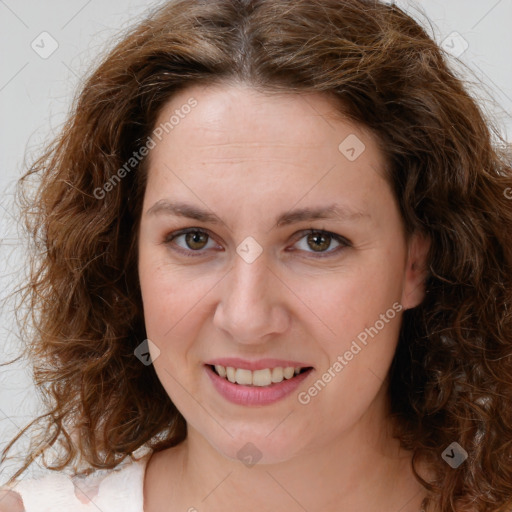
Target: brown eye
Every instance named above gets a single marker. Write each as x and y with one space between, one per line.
193 241
319 242
189 241
196 240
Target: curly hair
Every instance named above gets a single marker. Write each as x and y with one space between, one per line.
451 377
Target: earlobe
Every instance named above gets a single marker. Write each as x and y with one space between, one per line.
416 270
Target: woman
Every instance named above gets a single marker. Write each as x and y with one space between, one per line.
277 261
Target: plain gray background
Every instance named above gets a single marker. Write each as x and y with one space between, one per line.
37 85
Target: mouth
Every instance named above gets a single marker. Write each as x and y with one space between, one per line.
263 378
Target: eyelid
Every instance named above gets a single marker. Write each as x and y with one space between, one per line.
344 242
339 238
171 236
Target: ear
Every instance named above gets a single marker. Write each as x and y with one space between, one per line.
416 270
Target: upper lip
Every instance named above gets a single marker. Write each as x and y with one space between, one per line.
260 364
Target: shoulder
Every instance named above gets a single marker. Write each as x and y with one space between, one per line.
10 501
119 489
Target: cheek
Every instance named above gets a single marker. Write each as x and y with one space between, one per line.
162 292
363 314
161 298
352 300
173 305
167 303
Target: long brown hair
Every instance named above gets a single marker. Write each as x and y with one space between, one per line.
451 378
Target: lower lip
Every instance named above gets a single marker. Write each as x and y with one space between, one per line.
255 395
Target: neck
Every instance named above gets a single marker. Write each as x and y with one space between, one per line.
364 469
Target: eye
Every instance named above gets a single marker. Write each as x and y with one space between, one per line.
196 239
320 240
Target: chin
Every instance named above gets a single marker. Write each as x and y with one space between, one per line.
258 447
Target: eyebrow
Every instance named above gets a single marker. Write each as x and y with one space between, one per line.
333 211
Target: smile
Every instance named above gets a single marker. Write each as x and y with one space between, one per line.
263 386
263 377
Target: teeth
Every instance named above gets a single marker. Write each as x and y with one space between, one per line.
243 377
230 372
220 370
277 374
260 378
288 372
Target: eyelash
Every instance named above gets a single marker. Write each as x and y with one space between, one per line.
344 243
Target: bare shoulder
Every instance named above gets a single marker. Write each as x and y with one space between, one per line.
10 501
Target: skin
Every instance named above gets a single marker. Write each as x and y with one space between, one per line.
248 157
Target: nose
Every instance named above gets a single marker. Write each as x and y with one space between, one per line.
252 305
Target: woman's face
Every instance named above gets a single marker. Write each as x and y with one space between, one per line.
250 287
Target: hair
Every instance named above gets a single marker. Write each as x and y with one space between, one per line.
451 377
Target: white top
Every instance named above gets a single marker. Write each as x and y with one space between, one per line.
116 490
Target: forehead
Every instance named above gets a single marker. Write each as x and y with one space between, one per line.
228 121
231 113
251 146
